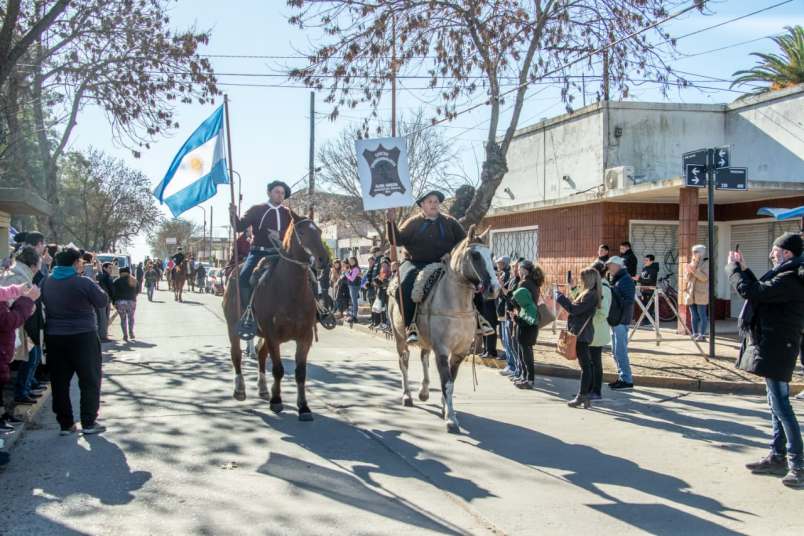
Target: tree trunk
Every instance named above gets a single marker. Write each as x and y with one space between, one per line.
494 169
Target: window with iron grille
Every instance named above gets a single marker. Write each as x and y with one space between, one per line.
516 243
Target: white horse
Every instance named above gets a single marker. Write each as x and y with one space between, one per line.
447 320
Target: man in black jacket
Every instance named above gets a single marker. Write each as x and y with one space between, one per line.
628 256
770 326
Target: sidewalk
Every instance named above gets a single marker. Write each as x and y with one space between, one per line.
675 363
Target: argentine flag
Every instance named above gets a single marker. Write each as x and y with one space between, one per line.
197 169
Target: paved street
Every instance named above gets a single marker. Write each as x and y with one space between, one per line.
182 457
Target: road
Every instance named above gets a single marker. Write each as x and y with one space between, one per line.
182 457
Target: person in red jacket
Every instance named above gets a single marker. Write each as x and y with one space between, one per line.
12 318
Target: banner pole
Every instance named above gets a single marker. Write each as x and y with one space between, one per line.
235 270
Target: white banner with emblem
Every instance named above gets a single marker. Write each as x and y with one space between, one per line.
382 166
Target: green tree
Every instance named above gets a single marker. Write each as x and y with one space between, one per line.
777 70
180 229
105 203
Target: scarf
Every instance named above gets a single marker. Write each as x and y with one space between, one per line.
62 272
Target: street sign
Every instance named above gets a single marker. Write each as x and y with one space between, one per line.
722 157
697 158
731 179
695 176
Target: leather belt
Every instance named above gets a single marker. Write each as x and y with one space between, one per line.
263 249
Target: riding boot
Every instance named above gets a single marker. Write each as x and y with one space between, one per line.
245 296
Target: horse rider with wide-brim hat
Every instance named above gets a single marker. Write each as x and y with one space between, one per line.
427 237
269 223
177 258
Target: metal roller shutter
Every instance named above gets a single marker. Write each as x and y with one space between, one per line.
755 241
661 240
516 243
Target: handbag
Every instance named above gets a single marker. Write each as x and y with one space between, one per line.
568 342
546 316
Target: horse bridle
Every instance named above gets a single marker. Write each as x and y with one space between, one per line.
280 248
478 286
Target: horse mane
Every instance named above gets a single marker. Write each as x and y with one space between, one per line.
287 241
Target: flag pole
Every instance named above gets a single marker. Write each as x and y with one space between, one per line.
235 270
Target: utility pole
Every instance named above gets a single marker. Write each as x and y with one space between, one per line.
210 234
606 75
710 215
311 189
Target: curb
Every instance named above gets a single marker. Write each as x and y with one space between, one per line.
681 384
29 415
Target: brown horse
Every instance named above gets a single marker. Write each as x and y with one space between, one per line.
179 277
285 310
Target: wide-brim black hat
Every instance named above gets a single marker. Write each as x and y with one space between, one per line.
436 193
274 184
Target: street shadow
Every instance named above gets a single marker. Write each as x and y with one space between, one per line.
593 470
348 489
113 484
369 460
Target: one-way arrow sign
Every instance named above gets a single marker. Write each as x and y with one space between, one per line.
722 157
695 176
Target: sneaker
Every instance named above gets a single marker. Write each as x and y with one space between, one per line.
769 465
5 428
800 396
595 396
524 385
68 431
794 478
93 429
506 371
620 385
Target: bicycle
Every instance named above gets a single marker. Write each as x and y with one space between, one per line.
669 294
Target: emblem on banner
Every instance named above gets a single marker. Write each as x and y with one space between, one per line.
384 166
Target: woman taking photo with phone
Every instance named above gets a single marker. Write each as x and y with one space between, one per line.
579 323
696 292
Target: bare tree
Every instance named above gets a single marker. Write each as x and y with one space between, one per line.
104 202
492 48
118 55
429 161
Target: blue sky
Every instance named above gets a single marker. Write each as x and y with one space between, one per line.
270 125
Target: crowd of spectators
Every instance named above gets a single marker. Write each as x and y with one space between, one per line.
55 309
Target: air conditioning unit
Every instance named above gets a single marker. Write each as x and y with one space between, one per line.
618 178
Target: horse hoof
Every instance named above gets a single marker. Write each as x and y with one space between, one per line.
306 417
239 395
453 428
424 396
277 407
407 401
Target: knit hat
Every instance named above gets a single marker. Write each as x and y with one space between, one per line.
791 242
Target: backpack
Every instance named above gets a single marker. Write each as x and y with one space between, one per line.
616 310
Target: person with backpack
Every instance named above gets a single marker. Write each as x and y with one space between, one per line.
619 318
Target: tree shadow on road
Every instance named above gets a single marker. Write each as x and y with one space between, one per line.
592 470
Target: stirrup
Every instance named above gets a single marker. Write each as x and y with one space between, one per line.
326 316
484 328
246 327
413 333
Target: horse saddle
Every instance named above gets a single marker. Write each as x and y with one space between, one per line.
262 272
426 280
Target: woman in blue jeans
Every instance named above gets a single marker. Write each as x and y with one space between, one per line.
353 280
696 292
